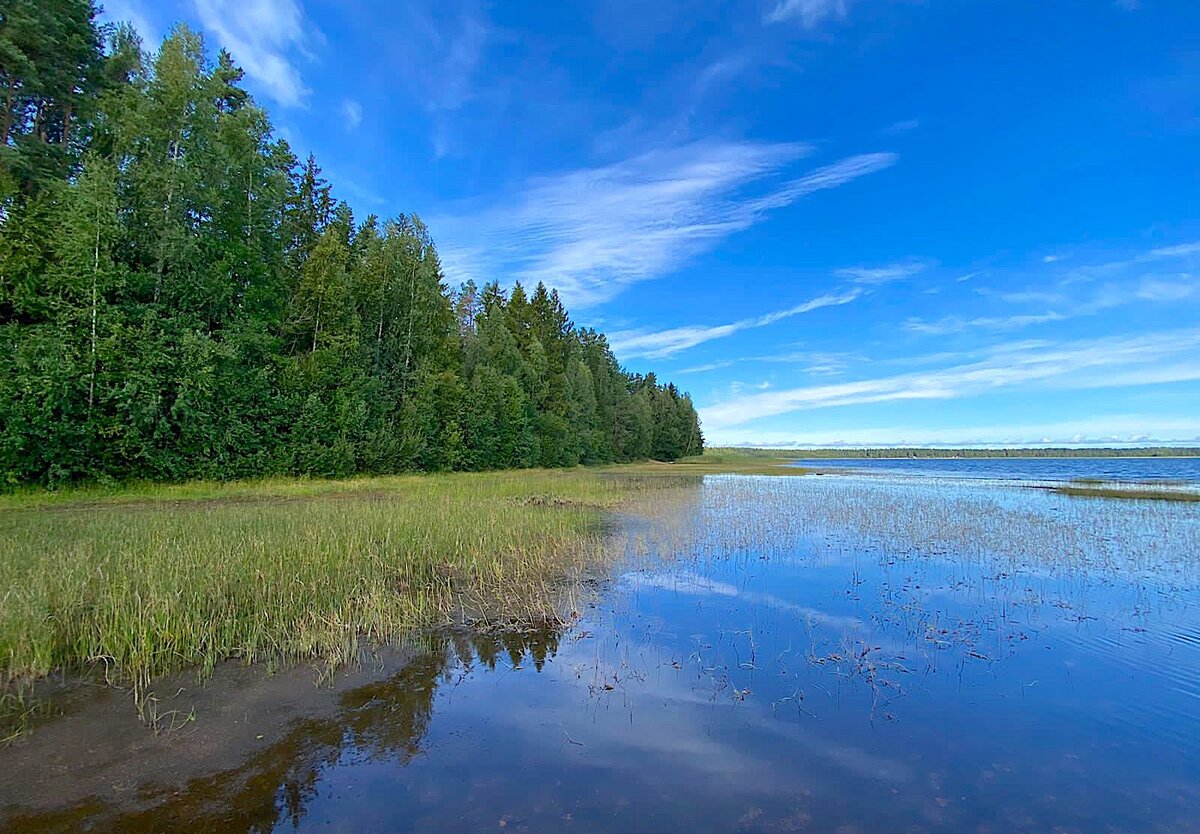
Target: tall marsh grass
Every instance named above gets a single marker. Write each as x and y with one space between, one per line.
142 582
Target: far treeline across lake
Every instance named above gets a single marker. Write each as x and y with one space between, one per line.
181 298
932 453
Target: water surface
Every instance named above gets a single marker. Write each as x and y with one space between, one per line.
1046 470
781 654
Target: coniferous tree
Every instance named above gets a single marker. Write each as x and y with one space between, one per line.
180 297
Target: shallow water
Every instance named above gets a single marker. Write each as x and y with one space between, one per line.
1048 470
781 654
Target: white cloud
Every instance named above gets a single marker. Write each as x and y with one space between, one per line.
657 344
694 584
440 53
263 36
956 324
1157 289
831 176
592 232
880 275
814 363
1031 296
1171 356
902 126
134 13
352 112
1120 429
810 13
1081 291
708 366
737 386
1179 251
458 52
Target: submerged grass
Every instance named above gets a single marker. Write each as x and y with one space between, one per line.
153 579
1143 492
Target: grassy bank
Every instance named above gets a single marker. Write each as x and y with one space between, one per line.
146 580
720 462
1136 493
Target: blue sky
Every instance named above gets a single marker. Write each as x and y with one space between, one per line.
857 222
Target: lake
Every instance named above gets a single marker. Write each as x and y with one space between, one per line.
825 654
1129 470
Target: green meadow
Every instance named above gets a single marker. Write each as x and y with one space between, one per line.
136 583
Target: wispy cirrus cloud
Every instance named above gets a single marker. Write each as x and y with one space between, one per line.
707 366
134 13
809 13
830 176
813 363
1100 430
1157 276
352 113
902 126
1181 250
443 57
591 232
957 324
265 37
1170 356
1162 289
880 274
629 344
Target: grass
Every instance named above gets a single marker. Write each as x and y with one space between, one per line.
721 462
153 579
146 579
1141 493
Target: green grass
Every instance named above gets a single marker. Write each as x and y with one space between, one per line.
142 580
721 462
1081 489
148 580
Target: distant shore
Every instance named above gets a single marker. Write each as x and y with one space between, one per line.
908 453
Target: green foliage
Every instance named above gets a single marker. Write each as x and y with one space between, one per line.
282 569
180 297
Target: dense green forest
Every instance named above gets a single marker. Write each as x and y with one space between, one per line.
181 297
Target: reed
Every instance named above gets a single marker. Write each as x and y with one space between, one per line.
147 580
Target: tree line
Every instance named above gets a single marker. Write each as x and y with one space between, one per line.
181 296
1017 452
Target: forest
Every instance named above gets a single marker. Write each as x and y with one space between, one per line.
182 297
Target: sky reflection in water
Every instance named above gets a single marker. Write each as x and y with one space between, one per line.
811 654
814 664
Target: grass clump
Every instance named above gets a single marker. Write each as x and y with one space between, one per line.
1144 492
153 579
721 462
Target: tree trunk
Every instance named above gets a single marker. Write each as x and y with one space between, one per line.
412 302
95 280
167 213
317 324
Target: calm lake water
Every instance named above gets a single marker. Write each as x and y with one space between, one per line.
1021 469
816 654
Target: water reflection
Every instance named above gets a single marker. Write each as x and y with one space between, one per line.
384 721
800 654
